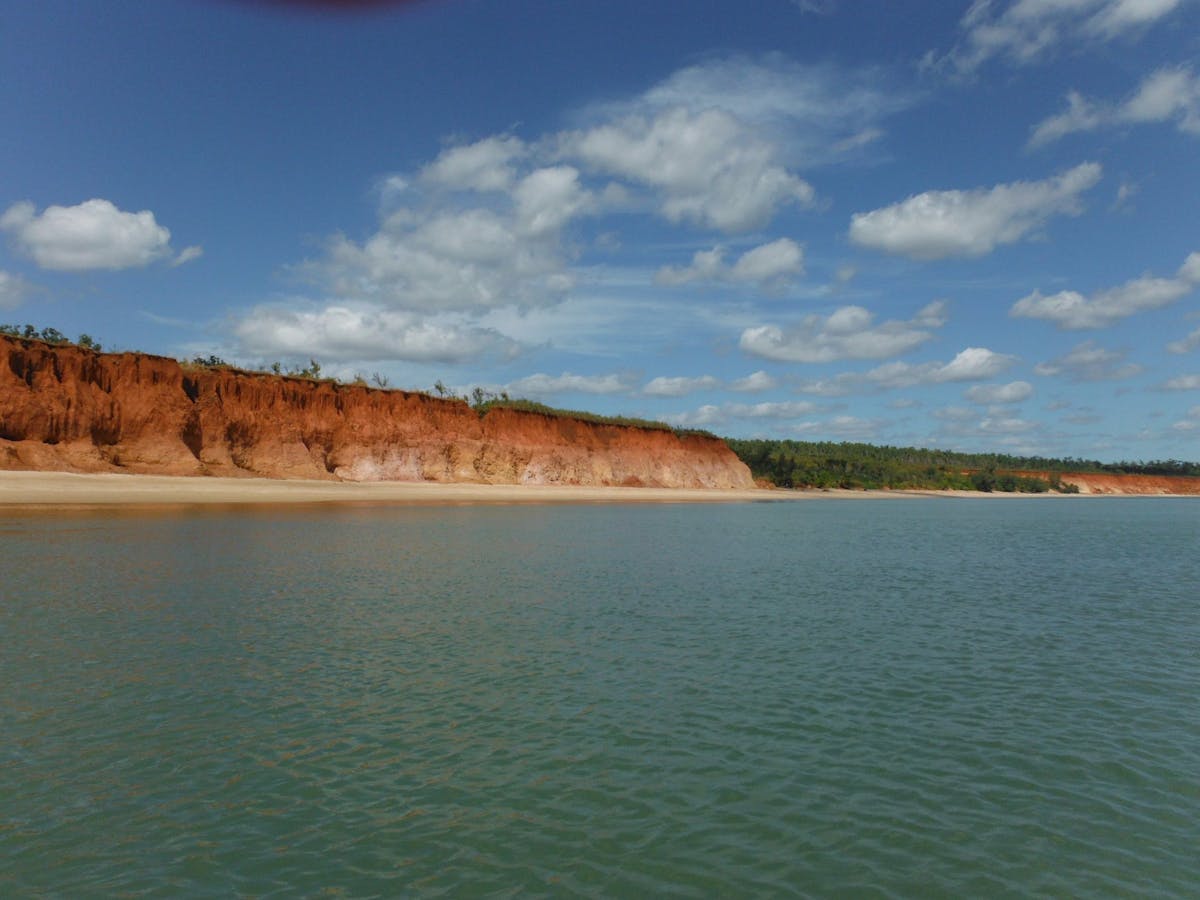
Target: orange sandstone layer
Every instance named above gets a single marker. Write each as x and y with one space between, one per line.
1127 484
66 409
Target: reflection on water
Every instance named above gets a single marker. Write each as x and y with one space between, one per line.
904 697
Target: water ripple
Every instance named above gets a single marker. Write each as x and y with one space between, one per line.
888 700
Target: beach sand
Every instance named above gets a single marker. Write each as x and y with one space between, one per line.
63 489
40 489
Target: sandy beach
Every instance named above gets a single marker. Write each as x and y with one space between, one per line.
65 489
39 489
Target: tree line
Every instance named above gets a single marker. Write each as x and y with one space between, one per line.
826 464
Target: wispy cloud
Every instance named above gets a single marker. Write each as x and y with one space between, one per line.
1168 94
1026 31
1090 362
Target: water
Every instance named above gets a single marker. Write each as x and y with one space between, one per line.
875 698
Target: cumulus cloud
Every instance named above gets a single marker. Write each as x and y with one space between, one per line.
754 382
716 143
998 394
541 385
489 233
1025 31
93 235
548 198
1168 94
1072 310
943 224
971 364
772 266
709 168
344 333
1090 362
486 165
448 260
679 386
13 290
847 333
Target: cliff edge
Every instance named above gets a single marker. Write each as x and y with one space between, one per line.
66 408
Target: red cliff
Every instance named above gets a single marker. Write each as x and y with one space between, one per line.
64 408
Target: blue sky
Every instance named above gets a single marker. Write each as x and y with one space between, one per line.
963 225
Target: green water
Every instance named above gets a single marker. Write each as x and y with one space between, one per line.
875 698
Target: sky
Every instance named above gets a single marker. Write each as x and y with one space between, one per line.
962 225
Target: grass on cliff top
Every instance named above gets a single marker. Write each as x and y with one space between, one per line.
532 406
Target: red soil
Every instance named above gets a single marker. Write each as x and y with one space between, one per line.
64 408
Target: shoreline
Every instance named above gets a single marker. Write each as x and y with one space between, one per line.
56 490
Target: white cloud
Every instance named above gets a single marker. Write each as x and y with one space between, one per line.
1090 362
847 333
486 165
754 382
779 261
1183 383
954 414
187 254
772 266
815 7
815 113
784 409
713 414
942 224
679 386
541 385
1118 16
971 364
1170 93
962 423
1187 344
996 394
1027 30
1072 310
850 428
708 167
1190 422
547 199
93 235
13 290
344 333
448 260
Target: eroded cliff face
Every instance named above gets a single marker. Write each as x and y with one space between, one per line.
1123 483
69 409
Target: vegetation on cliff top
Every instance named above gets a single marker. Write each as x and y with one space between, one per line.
479 399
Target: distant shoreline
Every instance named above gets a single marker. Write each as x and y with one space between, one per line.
37 490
